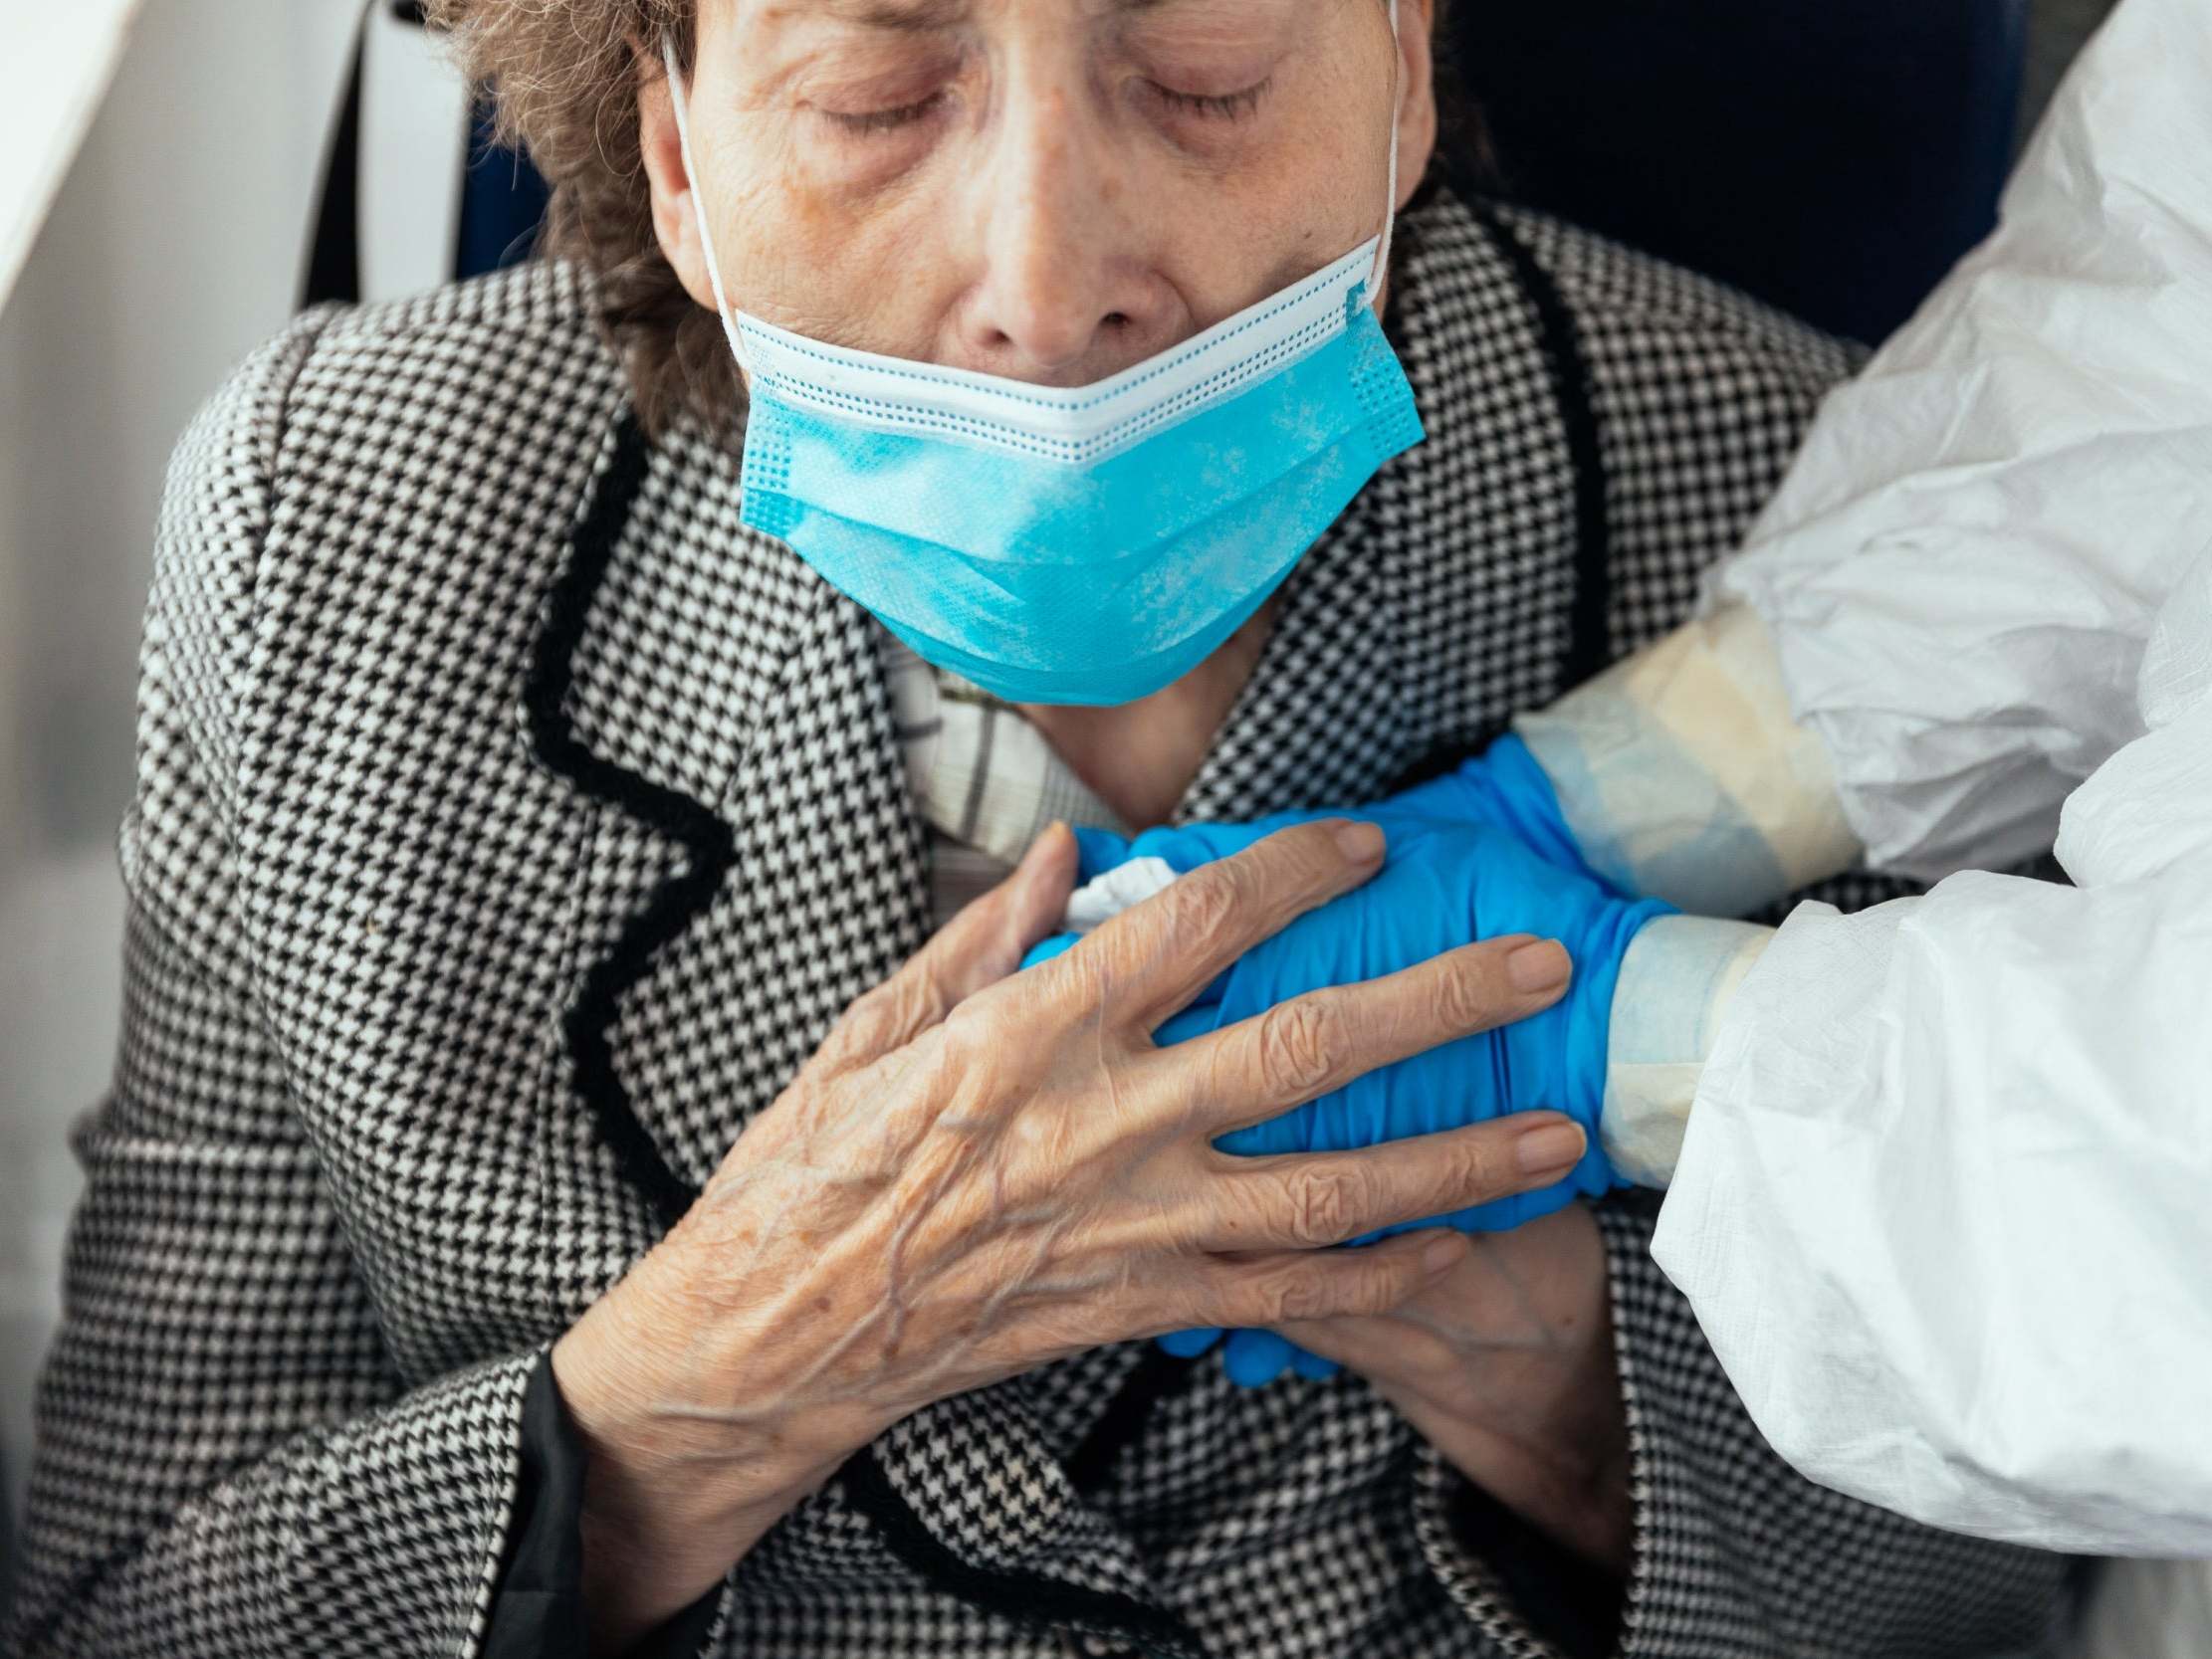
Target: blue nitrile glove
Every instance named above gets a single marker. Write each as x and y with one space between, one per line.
1452 874
1506 786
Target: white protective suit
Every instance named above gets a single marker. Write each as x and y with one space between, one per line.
1944 1206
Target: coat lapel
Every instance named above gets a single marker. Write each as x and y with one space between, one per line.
754 865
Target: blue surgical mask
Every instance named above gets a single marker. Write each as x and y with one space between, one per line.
1073 546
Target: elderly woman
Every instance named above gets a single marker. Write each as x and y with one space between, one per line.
551 1196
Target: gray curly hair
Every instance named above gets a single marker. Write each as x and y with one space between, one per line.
562 78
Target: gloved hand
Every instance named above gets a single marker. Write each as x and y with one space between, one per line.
1452 874
1504 786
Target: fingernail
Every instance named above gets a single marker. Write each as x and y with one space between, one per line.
1360 841
1441 1252
1552 1149
1540 966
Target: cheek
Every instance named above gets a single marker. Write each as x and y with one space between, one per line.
1310 188
866 268
1276 219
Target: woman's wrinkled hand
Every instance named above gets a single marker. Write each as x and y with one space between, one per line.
983 1170
1504 1362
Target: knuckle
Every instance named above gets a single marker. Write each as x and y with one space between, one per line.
874 1007
966 1027
1469 1171
866 1028
846 1043
1042 1147
1301 1295
920 998
1298 1045
1370 1287
1328 1207
900 1007
1202 904
1306 1290
1463 997
971 1037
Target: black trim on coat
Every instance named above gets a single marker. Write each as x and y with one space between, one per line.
707 839
1159 1375
1027 1598
710 843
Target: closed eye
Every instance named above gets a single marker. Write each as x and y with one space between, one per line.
865 122
1228 106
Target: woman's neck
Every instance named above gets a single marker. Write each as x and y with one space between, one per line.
1139 757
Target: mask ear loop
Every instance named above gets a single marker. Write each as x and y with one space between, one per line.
699 211
1390 199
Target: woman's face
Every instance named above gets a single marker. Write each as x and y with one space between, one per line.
1045 189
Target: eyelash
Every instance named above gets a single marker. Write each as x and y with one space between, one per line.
869 123
1221 106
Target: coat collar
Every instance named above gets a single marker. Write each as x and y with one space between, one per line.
755 855
761 827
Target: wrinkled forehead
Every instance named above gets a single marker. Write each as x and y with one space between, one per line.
943 14
923 16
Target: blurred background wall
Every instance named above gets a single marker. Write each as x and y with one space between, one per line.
176 242
174 245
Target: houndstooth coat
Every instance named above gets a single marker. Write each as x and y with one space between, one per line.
511 825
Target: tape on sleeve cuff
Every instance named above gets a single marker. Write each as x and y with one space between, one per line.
1677 981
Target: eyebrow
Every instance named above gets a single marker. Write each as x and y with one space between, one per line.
918 16
903 16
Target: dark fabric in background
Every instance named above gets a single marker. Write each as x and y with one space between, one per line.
1832 160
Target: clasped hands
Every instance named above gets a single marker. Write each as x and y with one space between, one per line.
984 1169
1478 853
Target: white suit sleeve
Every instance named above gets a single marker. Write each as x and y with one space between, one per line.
1960 570
1941 1208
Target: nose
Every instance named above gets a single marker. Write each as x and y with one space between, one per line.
1065 293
